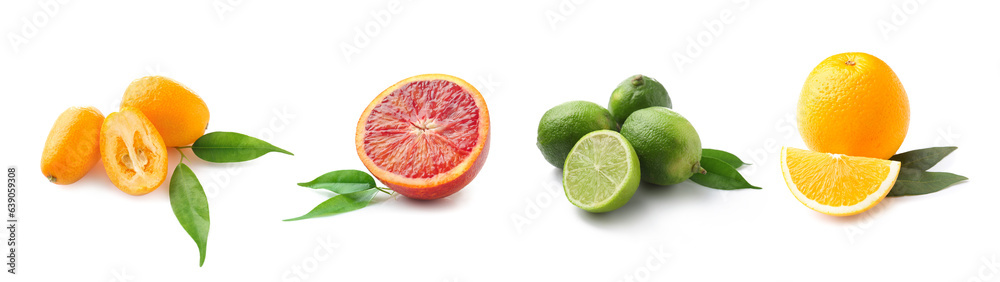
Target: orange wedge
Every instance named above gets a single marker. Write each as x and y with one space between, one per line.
836 184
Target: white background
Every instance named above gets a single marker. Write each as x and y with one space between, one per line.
277 70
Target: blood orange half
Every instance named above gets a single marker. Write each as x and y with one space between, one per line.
425 137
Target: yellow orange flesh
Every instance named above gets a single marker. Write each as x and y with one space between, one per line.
133 153
837 184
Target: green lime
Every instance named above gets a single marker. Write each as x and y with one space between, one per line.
668 146
636 93
601 172
565 124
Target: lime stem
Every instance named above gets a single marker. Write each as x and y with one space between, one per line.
696 168
637 80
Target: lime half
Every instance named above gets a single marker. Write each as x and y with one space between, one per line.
601 172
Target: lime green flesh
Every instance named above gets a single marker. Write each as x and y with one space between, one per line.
601 172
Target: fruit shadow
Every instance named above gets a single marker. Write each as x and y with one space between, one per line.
843 220
97 178
427 205
860 219
646 197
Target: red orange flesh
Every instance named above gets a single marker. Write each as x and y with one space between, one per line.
425 137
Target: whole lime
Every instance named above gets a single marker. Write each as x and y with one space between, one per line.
636 93
563 125
669 148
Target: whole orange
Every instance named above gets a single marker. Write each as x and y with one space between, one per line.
853 104
178 114
72 147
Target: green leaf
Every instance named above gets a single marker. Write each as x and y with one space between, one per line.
727 157
923 159
918 182
720 175
342 181
187 198
340 204
228 147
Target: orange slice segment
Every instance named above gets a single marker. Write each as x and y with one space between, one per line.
836 184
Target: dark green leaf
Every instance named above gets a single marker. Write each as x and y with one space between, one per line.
187 198
917 182
228 147
340 204
923 159
720 175
727 157
342 181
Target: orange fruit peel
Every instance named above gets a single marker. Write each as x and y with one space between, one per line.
71 148
853 104
180 115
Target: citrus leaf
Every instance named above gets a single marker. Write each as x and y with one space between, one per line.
727 157
340 204
923 159
918 182
228 147
342 181
720 175
190 205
